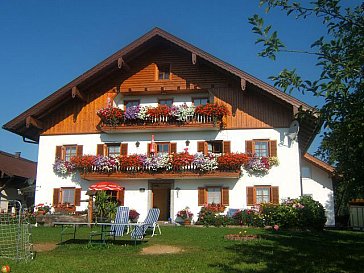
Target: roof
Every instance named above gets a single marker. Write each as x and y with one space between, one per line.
17 125
319 163
14 165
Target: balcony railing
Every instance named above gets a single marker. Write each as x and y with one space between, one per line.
195 122
185 172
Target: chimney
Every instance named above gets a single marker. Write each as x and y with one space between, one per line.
17 154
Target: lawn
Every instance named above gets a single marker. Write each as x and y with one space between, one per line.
204 250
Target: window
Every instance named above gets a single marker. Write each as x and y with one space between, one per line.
66 195
66 152
213 146
168 102
306 172
214 195
162 148
164 72
131 103
262 194
70 151
200 101
261 147
113 150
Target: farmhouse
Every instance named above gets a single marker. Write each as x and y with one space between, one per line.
162 123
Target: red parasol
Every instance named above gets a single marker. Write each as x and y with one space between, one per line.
105 186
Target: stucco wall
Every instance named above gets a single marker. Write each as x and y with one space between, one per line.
286 175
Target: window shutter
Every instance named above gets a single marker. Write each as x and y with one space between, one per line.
120 197
226 147
273 148
274 195
124 149
173 148
201 146
249 147
100 149
77 196
56 196
225 196
79 150
58 152
250 191
201 196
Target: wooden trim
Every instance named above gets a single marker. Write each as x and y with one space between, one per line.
172 147
202 196
226 147
77 201
31 121
56 195
59 152
79 150
120 196
274 194
100 149
250 196
124 149
225 196
272 147
76 93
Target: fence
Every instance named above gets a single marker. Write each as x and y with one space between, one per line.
15 235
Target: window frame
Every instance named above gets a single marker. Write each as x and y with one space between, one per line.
166 75
262 195
71 155
108 145
252 200
214 142
200 98
207 194
266 142
167 99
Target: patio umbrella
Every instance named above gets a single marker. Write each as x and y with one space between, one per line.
105 186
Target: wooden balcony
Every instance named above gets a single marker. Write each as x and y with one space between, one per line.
165 124
188 172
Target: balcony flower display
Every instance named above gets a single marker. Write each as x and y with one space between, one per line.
212 110
131 162
132 113
205 163
83 163
181 160
105 163
258 166
232 161
62 168
159 111
158 162
112 116
183 112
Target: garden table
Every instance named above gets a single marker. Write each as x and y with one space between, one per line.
75 225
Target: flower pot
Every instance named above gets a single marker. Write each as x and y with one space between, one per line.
187 222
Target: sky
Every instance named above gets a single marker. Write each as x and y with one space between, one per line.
46 44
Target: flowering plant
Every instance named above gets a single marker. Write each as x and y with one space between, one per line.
83 163
111 115
232 161
105 163
205 163
212 109
157 162
185 213
183 112
133 215
132 113
258 166
214 207
131 161
159 111
181 160
62 168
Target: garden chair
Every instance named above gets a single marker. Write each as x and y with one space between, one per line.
121 217
150 222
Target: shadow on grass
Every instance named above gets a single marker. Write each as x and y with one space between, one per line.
87 242
297 252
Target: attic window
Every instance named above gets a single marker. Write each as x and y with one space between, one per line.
164 71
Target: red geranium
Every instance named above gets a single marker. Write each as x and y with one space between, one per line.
181 160
232 161
213 110
159 111
84 162
111 115
130 161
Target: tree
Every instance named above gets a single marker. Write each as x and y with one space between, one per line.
340 57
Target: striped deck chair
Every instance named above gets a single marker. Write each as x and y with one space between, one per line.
150 222
121 217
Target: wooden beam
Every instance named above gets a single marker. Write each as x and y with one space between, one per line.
30 121
243 84
122 64
77 93
194 58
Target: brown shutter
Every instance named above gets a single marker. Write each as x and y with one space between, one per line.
173 148
273 148
100 149
79 150
77 196
250 191
201 146
226 147
249 147
202 196
120 197
274 195
56 196
225 196
58 152
124 149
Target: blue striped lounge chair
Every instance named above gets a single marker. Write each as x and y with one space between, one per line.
150 222
122 220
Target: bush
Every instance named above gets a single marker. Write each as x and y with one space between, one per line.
209 216
248 217
312 215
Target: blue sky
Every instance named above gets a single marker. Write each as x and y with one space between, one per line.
46 44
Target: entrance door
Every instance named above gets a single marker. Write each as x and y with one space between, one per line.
162 199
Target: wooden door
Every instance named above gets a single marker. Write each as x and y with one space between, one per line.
161 200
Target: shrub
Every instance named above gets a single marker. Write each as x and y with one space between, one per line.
248 217
311 215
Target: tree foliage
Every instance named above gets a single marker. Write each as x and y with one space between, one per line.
340 57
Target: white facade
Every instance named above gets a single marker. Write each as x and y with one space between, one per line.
317 183
286 176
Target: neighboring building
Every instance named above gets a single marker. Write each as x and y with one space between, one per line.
17 179
161 69
317 182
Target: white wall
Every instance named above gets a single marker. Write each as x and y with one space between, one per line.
321 188
286 175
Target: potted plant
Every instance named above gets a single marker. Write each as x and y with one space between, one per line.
186 215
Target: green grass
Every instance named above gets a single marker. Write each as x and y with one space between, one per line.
205 250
